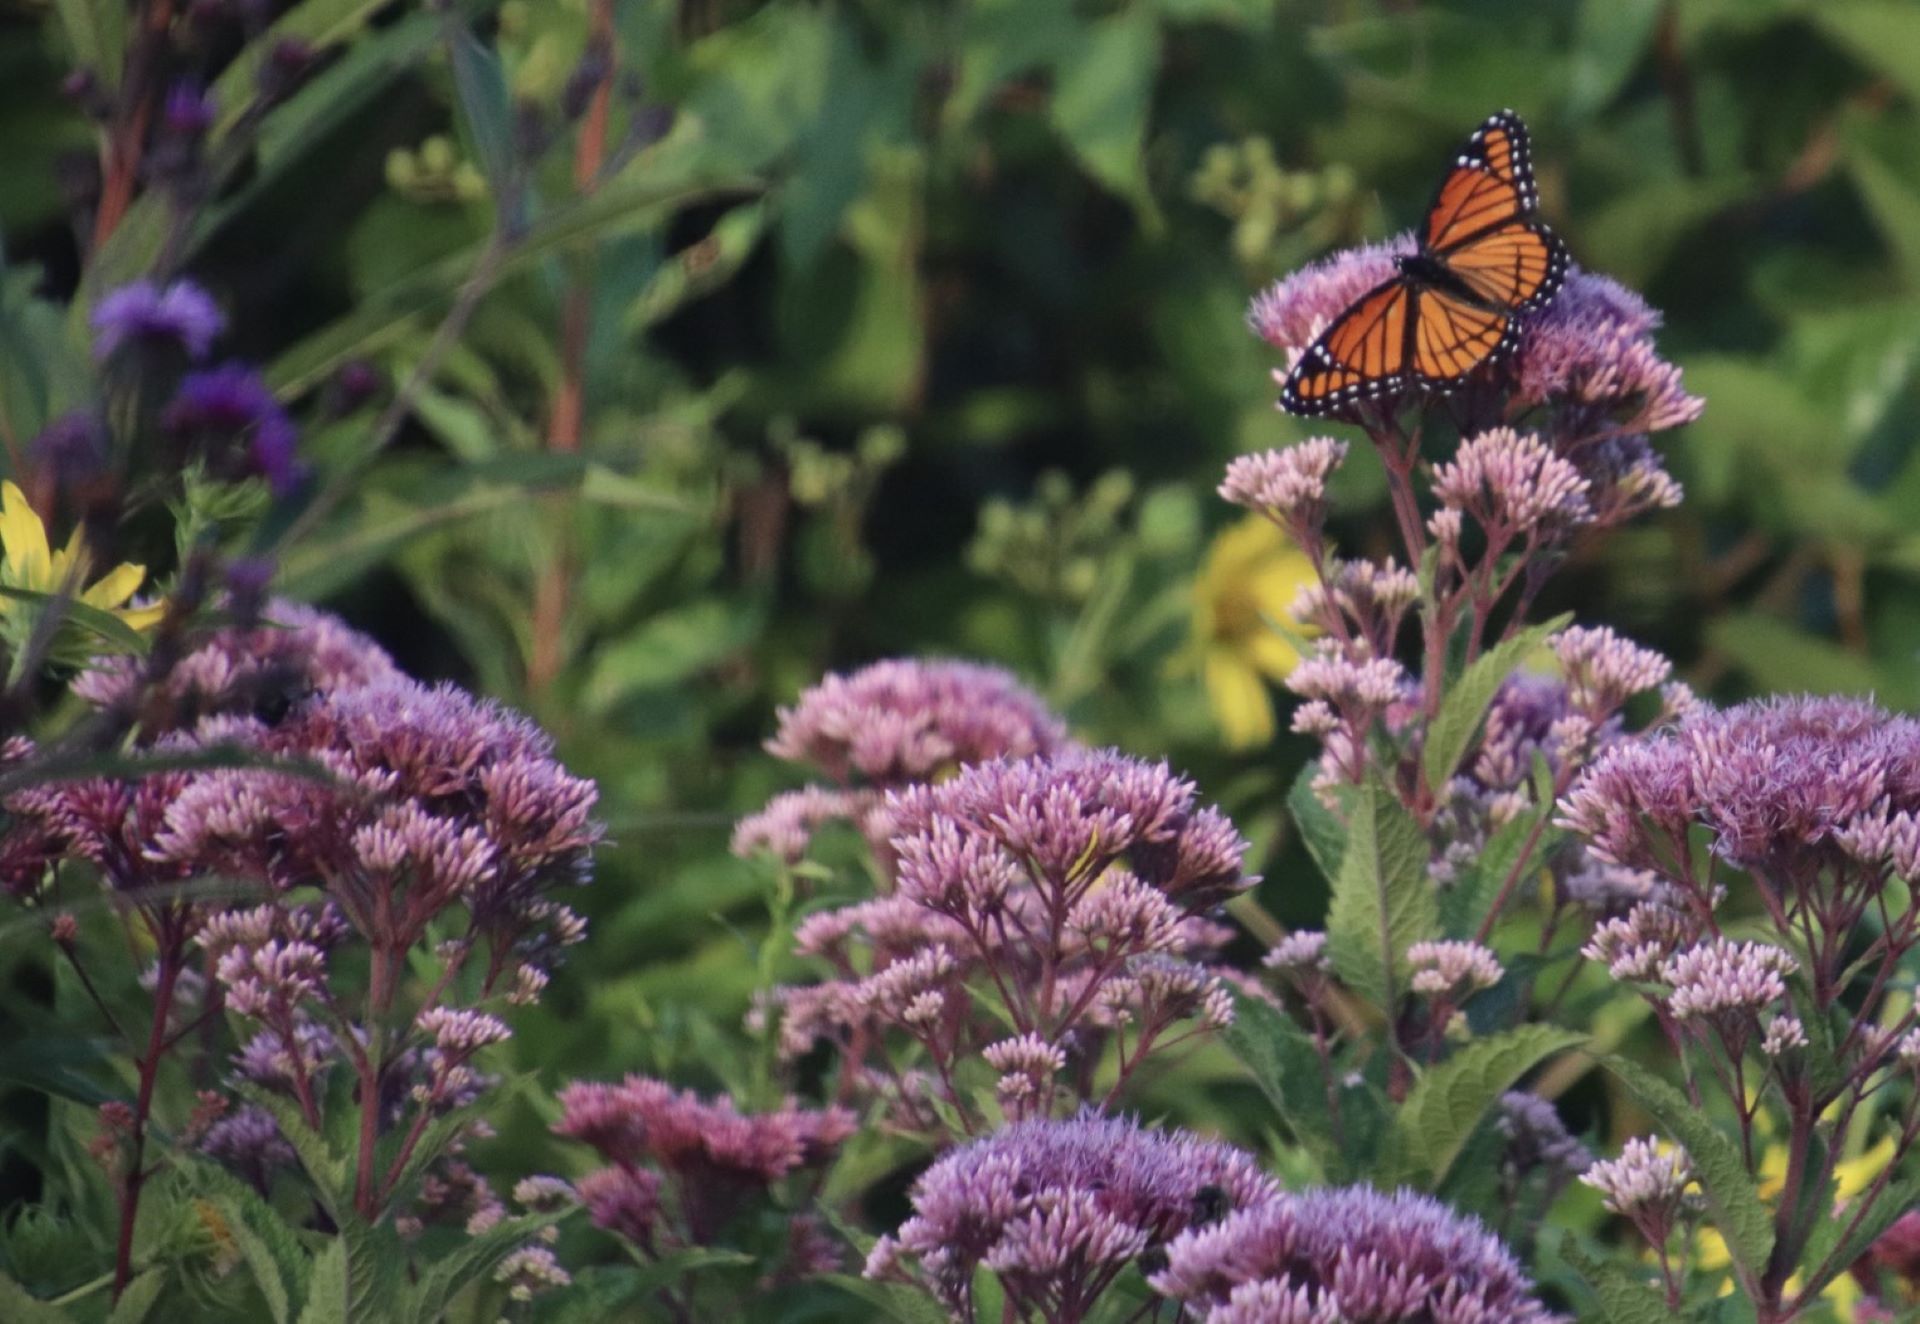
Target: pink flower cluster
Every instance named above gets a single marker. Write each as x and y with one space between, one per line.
681 1168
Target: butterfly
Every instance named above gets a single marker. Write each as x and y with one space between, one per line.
1484 259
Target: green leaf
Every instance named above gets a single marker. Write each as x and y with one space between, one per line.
1465 705
1625 1297
1450 1100
1286 1066
329 1170
603 1292
486 113
897 1302
1320 828
272 1250
670 648
327 1299
1608 40
18 1306
97 32
1732 1198
141 1296
110 628
1884 35
1383 901
1103 87
58 1066
622 206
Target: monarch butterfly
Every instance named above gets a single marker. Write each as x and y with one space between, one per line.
1483 259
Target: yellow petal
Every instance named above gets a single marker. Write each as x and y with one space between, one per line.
1239 699
1273 654
1854 1175
115 587
25 539
143 618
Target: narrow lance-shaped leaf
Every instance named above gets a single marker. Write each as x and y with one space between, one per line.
1625 1297
1383 901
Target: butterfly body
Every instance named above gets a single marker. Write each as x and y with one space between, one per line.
1483 260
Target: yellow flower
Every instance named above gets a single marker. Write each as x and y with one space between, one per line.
1252 574
31 564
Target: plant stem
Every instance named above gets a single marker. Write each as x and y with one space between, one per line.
149 1067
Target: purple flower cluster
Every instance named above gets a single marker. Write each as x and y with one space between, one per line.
715 1159
1071 889
180 314
887 726
229 414
1323 1256
409 810
1057 1209
262 671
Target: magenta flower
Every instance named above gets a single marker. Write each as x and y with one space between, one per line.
1513 486
230 413
1292 313
1593 346
1348 1254
1058 1209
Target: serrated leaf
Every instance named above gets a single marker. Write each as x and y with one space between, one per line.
1465 706
327 1296
1625 1298
1320 828
1286 1066
1383 901
268 1245
327 1168
1450 1100
1732 1198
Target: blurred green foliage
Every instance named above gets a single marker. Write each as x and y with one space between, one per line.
921 330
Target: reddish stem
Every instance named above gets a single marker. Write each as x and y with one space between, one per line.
149 1067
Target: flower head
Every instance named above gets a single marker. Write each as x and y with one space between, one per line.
32 565
1348 1253
230 412
1513 485
181 314
1647 1177
1288 486
906 720
642 1120
1723 976
1452 969
1057 1209
1593 347
1292 313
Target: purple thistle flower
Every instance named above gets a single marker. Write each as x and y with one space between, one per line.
260 671
785 827
965 842
1537 1140
1782 783
142 313
905 720
248 1141
1058 1209
624 1201
1635 946
1593 347
645 1120
1514 486
230 412
273 978
1604 669
1349 1253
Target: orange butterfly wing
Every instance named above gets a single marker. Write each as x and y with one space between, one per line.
1362 356
1420 330
1452 338
1518 265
